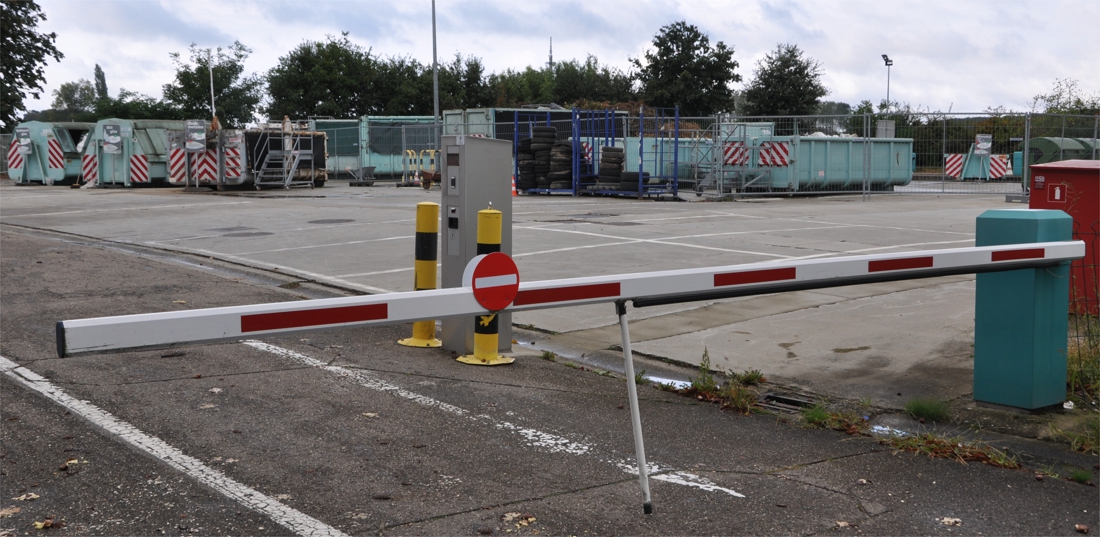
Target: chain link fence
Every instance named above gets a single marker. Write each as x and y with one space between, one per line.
901 153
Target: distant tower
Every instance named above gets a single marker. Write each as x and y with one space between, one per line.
550 64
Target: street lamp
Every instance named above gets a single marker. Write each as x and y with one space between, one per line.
889 62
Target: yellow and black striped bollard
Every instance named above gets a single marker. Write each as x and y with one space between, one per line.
427 241
486 329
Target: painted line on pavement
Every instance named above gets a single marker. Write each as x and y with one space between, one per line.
532 437
288 517
290 271
144 208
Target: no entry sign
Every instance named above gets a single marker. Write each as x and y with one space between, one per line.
494 278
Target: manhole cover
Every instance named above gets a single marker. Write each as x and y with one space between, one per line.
332 221
248 234
230 229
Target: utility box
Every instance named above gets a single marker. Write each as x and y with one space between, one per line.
475 173
1073 186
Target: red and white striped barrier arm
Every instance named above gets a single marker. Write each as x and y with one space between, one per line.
158 330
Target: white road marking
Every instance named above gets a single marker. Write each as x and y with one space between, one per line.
291 230
143 208
335 244
532 437
666 241
285 269
288 517
878 248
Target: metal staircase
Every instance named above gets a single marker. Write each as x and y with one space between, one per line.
286 159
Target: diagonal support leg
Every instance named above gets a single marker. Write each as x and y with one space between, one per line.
635 414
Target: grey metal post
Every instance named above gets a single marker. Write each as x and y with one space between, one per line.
1025 181
220 151
943 155
866 157
435 91
1062 144
404 160
635 414
1095 131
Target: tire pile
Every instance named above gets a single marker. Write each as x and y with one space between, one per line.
525 158
629 181
542 140
611 168
561 165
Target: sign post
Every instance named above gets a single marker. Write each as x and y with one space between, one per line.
494 279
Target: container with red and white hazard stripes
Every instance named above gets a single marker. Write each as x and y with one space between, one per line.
48 154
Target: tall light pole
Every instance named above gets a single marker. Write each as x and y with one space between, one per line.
435 94
889 62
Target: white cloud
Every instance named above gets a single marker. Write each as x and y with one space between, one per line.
963 54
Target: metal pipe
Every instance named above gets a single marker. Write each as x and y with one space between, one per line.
435 87
635 414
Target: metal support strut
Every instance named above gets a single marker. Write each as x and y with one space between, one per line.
635 414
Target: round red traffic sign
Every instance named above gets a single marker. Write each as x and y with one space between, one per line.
495 279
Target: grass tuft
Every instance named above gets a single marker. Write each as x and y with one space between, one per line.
549 356
639 378
748 378
820 416
927 409
1080 476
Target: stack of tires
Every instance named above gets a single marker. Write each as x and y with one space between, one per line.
525 159
561 165
611 168
542 140
629 181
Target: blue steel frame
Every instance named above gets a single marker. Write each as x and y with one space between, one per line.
660 114
597 127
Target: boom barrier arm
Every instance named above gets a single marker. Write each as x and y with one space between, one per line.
168 329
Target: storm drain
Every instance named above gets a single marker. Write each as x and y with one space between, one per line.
331 221
786 403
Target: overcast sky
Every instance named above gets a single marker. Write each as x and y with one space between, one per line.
958 55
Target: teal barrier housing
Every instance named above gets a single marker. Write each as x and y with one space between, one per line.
45 164
1020 319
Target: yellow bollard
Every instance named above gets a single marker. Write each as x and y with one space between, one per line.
427 239
486 330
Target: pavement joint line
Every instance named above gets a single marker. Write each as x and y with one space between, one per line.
778 471
534 438
512 502
285 516
144 208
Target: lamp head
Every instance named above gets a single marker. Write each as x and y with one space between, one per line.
887 59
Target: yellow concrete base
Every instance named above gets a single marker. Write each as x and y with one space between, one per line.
417 342
488 360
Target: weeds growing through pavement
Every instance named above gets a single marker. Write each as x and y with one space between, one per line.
952 448
1086 442
926 409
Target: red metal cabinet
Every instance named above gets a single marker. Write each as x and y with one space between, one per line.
1073 186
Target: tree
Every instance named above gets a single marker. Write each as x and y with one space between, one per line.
1066 98
133 105
529 86
785 83
100 83
576 82
332 78
686 71
22 62
236 97
72 98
